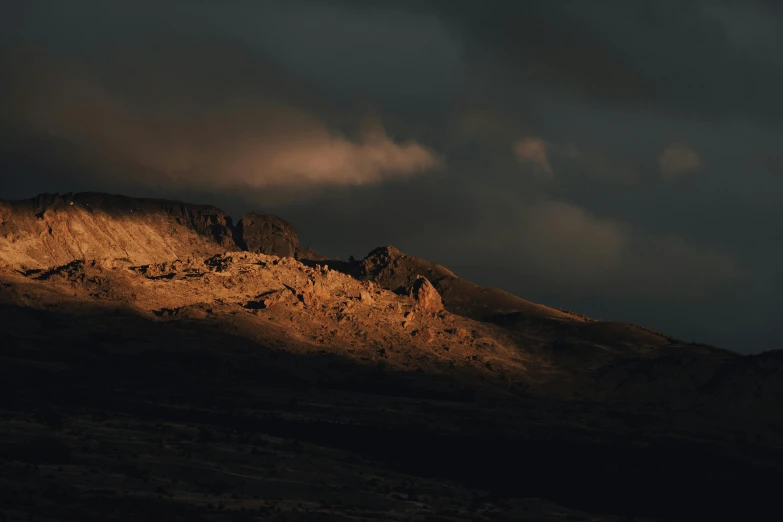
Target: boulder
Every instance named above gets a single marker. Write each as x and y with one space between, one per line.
425 295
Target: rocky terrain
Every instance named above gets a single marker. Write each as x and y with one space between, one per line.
160 362
53 230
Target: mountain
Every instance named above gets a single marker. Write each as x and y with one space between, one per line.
53 230
161 362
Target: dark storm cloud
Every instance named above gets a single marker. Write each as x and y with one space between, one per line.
183 107
698 58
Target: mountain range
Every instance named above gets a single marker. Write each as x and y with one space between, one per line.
162 362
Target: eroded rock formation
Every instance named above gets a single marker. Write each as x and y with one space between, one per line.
263 233
56 229
425 295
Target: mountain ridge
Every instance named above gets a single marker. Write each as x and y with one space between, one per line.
53 229
167 325
66 237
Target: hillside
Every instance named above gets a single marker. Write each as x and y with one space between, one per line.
192 362
54 230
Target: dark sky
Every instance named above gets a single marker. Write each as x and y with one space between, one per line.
621 158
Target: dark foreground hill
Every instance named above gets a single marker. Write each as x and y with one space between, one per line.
159 362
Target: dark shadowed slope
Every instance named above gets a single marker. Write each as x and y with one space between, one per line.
108 414
393 269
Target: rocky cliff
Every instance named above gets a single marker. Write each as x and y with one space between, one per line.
54 229
267 234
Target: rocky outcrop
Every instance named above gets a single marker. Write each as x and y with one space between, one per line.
263 233
427 298
56 229
308 254
53 229
396 271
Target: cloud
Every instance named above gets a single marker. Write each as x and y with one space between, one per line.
483 124
750 28
567 240
232 143
677 160
569 249
571 246
590 52
567 159
534 151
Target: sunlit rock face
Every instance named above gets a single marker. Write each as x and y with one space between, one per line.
425 295
56 229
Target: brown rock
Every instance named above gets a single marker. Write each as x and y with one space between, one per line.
307 253
53 230
393 270
267 234
461 333
426 334
425 295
